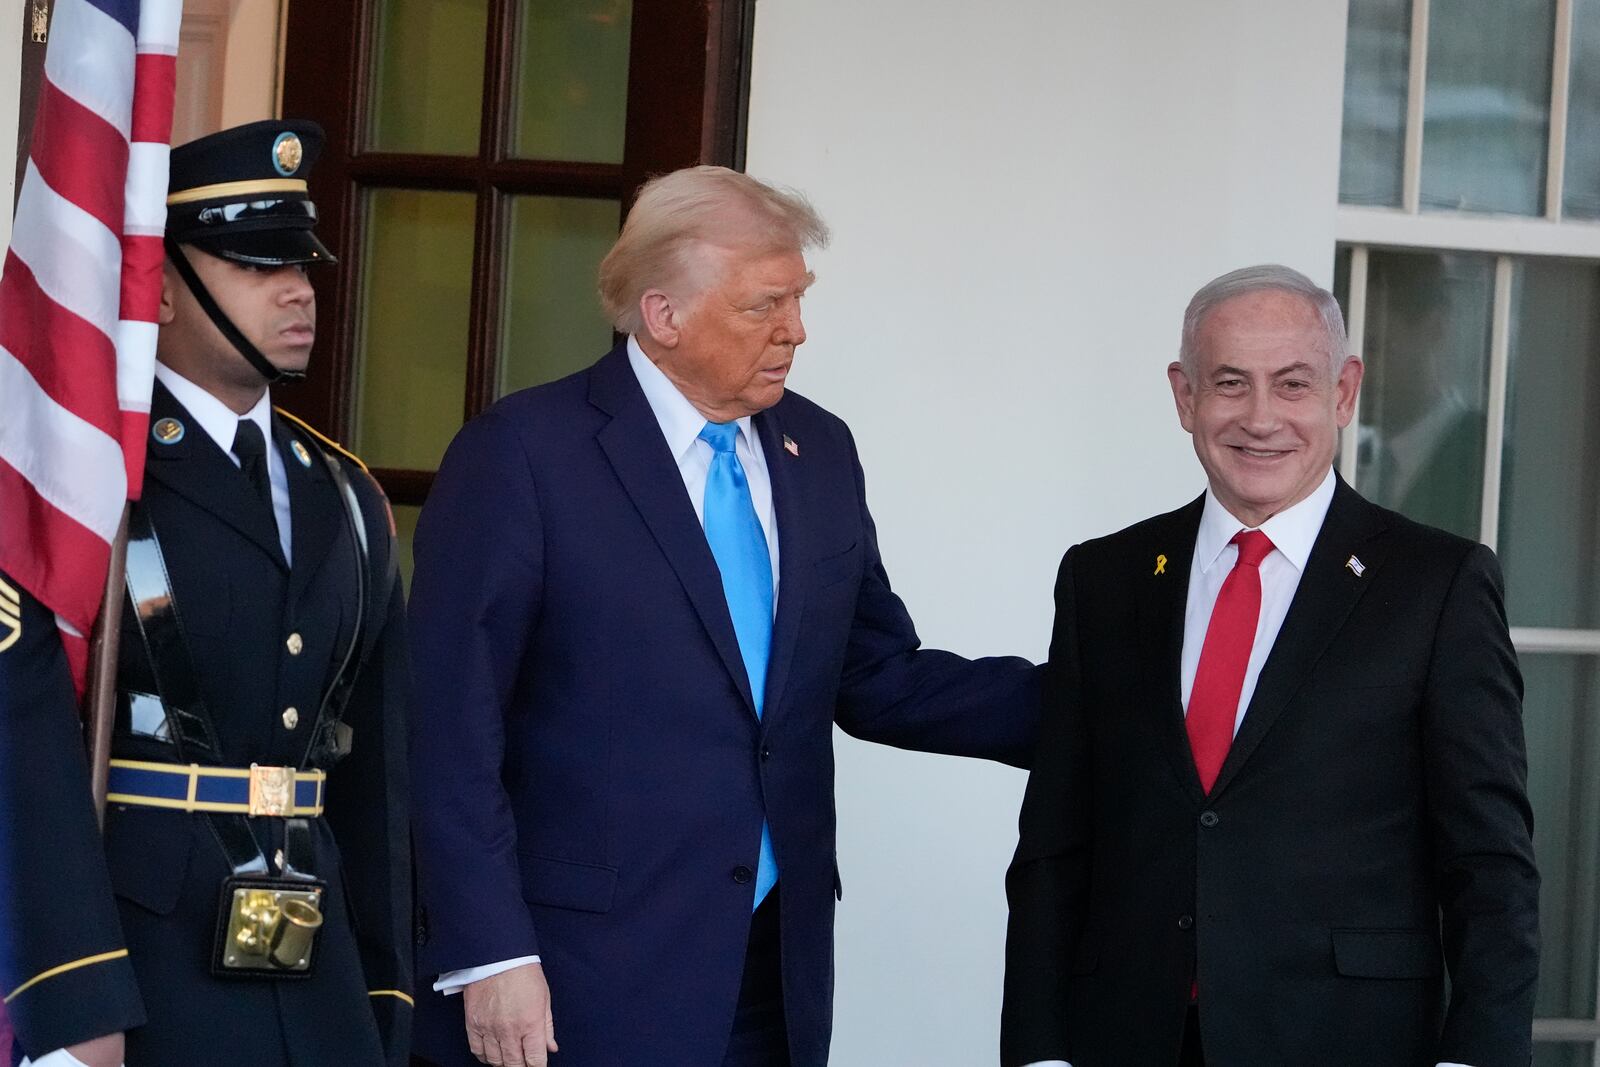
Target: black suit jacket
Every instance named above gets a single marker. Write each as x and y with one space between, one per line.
1369 831
238 600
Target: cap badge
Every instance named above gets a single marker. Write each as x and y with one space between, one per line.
287 153
300 453
167 431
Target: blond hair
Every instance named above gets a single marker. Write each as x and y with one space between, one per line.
697 206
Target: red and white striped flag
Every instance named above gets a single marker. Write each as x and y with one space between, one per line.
79 293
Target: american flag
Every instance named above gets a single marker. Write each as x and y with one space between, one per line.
79 294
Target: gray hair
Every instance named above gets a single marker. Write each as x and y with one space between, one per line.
1264 276
675 214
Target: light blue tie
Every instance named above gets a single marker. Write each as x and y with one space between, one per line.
740 548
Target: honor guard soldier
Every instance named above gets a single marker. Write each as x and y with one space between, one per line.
256 830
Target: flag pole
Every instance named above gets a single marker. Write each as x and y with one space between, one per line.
100 695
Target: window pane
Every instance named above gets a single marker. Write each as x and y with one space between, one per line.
553 323
1486 129
1582 180
572 80
429 69
411 362
1561 712
1569 1055
1423 403
1377 65
405 532
1550 491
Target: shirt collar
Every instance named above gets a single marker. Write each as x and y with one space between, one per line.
681 422
1292 531
215 418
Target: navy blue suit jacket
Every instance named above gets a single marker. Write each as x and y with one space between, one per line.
591 777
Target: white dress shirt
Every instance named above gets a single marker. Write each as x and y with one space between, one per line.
1292 532
680 424
221 424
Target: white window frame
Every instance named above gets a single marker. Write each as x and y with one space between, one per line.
1507 237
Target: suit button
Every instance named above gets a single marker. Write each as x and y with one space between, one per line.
295 643
291 718
1186 922
1208 819
766 753
741 874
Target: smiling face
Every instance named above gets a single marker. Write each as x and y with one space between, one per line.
1264 407
728 348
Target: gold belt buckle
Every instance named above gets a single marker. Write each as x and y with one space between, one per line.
271 790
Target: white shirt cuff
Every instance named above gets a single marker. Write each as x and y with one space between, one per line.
59 1058
455 981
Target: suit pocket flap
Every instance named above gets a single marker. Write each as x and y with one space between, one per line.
1386 954
839 566
568 884
148 854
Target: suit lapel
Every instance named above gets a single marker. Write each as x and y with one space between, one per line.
1327 593
196 468
794 556
1163 600
314 509
638 453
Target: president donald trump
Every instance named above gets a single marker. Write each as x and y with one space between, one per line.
1280 789
644 594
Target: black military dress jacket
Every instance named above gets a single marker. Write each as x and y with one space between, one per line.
267 640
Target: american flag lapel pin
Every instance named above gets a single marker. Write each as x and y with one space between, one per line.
790 447
1357 568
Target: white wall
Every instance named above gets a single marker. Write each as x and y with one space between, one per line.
10 87
1024 194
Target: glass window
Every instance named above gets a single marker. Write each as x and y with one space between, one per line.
405 532
572 80
411 363
1561 710
1376 82
1420 441
429 73
1487 105
553 323
1582 177
1550 492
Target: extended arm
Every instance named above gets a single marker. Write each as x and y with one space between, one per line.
896 693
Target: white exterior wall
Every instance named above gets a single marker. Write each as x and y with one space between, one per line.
1023 195
10 88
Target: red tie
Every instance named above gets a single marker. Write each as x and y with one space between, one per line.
1218 681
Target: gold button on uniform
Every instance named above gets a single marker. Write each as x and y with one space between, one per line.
295 644
291 718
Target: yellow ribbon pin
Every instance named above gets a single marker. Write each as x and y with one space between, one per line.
1161 564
